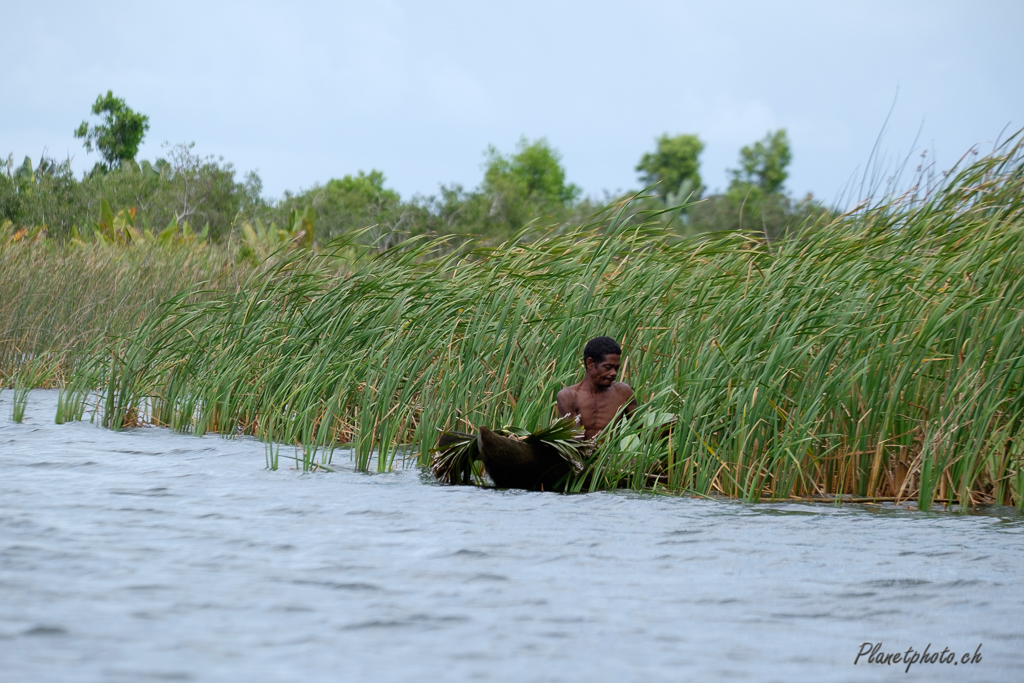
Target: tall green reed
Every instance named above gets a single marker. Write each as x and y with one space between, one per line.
30 374
878 356
20 402
58 300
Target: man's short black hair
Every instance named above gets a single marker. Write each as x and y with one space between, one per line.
599 347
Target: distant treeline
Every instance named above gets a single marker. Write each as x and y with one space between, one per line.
528 185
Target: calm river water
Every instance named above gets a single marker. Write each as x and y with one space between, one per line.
148 555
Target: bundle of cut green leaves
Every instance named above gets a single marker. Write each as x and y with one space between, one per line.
453 458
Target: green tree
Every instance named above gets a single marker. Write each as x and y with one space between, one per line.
184 188
674 166
119 136
199 190
756 199
526 185
351 203
43 195
763 165
534 172
11 203
359 193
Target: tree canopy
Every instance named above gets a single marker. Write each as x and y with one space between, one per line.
533 172
349 203
764 164
119 136
521 187
674 166
362 190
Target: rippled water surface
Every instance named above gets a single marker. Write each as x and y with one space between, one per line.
147 555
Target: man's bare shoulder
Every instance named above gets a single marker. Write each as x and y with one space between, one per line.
626 396
569 391
566 400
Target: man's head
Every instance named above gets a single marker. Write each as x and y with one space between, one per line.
601 358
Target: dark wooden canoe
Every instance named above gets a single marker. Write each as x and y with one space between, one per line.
515 464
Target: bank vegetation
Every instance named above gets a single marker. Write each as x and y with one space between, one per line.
878 355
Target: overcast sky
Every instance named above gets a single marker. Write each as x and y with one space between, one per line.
307 91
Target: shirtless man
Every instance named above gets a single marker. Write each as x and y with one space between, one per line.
598 397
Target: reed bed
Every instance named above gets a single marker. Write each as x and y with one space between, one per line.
57 300
878 357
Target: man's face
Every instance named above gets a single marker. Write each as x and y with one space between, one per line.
603 373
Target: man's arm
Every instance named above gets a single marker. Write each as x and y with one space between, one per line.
631 404
567 403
